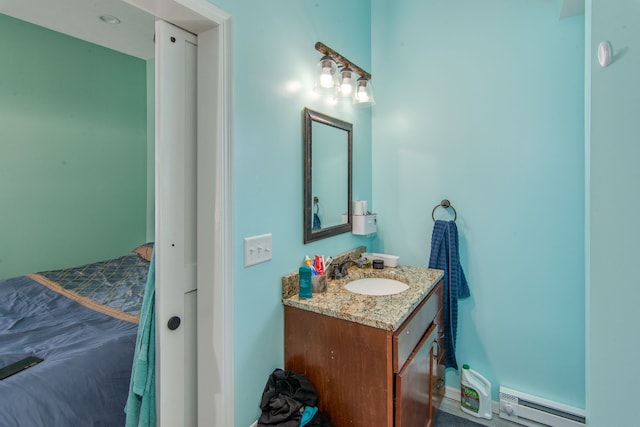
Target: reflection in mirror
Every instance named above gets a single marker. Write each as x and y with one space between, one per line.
327 176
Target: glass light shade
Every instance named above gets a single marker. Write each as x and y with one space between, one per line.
363 94
326 72
346 82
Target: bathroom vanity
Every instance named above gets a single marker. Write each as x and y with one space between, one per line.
374 360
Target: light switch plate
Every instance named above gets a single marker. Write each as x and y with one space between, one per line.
257 249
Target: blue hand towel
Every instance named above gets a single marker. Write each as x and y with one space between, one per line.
444 256
141 403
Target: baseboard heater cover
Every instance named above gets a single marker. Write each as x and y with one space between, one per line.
533 411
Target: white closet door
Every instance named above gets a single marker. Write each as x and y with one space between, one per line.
176 221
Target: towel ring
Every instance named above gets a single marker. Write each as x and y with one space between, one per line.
444 204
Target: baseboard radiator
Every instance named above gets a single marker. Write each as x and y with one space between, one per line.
532 411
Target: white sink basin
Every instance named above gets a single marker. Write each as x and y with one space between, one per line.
376 286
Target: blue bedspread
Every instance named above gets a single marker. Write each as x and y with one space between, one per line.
84 378
118 283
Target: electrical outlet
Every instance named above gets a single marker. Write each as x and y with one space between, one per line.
257 249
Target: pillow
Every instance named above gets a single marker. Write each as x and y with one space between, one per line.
144 251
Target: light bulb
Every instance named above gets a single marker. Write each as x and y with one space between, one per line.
326 69
362 94
326 79
346 87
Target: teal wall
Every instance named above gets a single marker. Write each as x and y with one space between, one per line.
482 103
73 150
493 120
274 64
613 93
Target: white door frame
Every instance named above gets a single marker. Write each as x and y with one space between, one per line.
176 153
215 227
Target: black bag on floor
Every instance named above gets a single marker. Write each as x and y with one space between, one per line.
284 399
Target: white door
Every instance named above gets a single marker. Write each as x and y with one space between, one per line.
176 222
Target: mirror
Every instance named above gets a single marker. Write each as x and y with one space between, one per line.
327 176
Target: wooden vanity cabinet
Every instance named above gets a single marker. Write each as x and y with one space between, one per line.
366 376
438 365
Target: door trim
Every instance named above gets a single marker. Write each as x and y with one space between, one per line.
215 213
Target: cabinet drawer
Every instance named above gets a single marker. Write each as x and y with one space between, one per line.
409 334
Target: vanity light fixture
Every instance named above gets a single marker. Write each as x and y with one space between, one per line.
364 93
339 74
346 81
326 72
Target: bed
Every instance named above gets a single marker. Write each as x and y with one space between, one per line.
83 322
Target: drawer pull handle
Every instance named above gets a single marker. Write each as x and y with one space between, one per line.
435 347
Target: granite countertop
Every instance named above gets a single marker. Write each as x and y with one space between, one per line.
385 312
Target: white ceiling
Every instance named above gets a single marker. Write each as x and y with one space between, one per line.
81 19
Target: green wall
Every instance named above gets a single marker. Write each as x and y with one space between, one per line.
151 144
72 150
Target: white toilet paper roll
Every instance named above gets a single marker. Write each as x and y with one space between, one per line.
360 207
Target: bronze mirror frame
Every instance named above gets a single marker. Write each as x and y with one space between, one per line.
309 117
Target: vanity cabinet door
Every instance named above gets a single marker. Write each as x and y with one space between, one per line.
414 384
349 365
438 365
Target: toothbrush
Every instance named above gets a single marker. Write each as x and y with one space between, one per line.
327 263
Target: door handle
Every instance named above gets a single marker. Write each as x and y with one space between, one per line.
173 323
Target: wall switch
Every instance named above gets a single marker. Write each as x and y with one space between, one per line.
257 249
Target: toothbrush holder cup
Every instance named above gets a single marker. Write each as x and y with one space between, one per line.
319 283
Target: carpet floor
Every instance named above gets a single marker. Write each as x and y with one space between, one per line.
445 419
